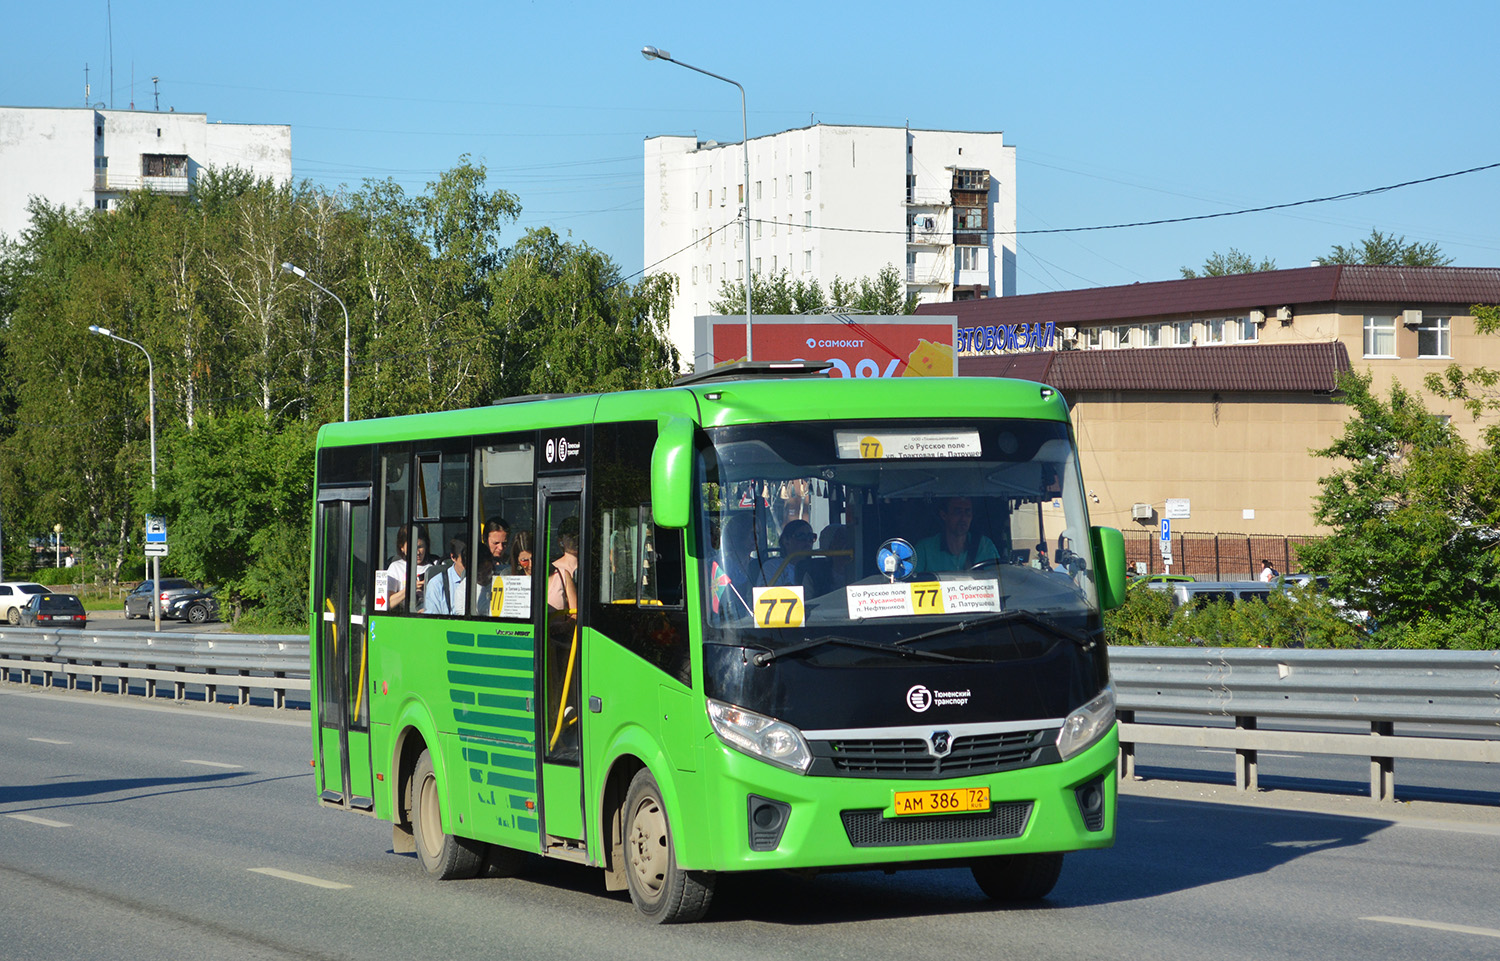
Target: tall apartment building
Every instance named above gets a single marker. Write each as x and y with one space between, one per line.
832 201
89 157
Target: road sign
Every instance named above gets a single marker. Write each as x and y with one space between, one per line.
156 530
1166 530
156 550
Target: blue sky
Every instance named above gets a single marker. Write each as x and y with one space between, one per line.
1119 112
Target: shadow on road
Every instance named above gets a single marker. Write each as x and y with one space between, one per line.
72 792
1163 846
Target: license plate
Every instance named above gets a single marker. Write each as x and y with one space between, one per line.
950 801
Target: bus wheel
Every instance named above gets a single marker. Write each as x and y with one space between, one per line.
442 856
1018 877
662 891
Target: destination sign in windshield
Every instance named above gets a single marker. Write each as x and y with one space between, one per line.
906 445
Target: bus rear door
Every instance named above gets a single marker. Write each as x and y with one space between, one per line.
340 652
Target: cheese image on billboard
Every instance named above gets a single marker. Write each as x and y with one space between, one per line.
930 360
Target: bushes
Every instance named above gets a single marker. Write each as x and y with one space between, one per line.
1299 618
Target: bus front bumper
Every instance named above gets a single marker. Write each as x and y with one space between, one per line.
767 818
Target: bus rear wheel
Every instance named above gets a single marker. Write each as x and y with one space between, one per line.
443 856
1018 877
662 891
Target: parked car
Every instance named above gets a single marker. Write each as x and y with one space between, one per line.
1188 593
13 597
54 610
180 600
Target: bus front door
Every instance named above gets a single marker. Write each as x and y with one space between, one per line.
561 649
340 652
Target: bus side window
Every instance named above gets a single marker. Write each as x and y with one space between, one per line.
637 566
504 526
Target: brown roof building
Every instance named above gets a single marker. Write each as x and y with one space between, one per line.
1213 392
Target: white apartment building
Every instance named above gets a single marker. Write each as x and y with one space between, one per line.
89 157
832 201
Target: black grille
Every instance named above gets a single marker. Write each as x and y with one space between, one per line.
869 829
973 754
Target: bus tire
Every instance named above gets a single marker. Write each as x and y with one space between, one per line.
443 856
663 892
1018 877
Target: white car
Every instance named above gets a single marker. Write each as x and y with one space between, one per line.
13 597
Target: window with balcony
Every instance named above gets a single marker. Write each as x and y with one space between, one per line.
1090 338
1434 338
970 258
1380 336
1213 330
164 165
1182 333
971 180
1151 335
1120 336
1249 331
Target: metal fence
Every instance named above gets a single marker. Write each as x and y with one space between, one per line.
206 663
1299 688
1219 557
1294 688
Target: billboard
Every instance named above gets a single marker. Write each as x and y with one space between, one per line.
856 346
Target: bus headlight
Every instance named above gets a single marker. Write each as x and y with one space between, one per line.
1087 724
760 736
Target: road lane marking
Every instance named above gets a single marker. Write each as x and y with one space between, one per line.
209 763
299 878
44 822
47 740
1438 926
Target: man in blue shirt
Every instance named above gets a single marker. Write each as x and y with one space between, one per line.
955 548
446 586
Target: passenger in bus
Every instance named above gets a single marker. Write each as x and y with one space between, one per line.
797 540
834 568
520 550
396 572
446 581
955 547
562 625
735 571
493 559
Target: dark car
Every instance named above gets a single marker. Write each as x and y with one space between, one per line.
54 610
180 600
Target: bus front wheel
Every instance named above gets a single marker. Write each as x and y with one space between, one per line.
662 891
1018 877
443 856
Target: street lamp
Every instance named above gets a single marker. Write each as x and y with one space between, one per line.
57 545
654 53
288 268
151 420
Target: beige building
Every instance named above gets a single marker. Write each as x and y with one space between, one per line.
1201 400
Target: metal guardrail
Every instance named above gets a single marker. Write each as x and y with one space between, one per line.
1247 685
1381 688
274 662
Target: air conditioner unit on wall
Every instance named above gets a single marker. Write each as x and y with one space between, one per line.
1411 318
1141 512
1284 314
1257 316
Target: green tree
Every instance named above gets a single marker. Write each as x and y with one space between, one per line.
564 321
1234 262
884 294
1415 514
1387 250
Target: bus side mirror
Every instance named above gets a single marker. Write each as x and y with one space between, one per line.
1109 561
672 473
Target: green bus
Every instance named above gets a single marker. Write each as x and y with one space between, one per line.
763 619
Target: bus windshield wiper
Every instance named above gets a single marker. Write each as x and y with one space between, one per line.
766 657
1083 640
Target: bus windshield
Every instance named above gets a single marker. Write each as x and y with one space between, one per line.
888 531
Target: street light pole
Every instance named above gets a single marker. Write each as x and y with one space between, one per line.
151 421
655 53
288 268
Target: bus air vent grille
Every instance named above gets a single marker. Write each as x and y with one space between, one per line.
910 758
869 829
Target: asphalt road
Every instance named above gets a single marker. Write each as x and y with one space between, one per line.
131 829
